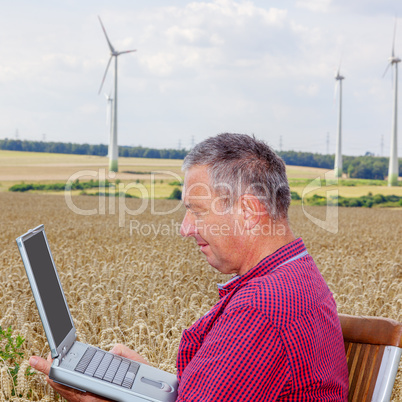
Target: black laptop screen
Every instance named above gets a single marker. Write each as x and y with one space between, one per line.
49 289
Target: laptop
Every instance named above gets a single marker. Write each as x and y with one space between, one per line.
78 365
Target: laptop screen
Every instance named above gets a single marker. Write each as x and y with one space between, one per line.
48 285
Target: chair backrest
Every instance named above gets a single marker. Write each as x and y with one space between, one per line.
373 348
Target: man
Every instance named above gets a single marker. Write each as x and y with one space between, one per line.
275 333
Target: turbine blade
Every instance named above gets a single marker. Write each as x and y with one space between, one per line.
104 75
393 40
126 51
385 72
339 67
107 38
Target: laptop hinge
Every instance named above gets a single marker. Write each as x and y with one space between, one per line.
64 347
63 352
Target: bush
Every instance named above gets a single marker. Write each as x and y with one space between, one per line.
316 200
295 195
175 183
379 199
175 195
366 201
21 187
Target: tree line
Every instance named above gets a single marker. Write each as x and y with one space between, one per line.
359 167
356 167
89 149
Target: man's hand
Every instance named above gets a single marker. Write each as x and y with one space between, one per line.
72 394
128 353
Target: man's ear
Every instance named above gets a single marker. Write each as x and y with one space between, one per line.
251 209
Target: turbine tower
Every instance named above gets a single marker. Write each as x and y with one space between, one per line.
109 118
338 154
393 169
113 148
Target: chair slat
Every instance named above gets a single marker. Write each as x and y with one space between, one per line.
375 368
363 364
362 375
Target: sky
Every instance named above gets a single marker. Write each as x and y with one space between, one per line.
201 68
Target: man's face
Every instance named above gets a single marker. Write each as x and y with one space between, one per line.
215 230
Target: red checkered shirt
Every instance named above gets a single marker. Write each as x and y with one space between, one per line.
273 335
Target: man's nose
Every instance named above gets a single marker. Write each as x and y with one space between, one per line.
188 227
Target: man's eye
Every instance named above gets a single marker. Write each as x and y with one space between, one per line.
199 213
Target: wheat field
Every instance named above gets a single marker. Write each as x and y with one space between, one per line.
141 284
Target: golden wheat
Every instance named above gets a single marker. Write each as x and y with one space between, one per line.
143 289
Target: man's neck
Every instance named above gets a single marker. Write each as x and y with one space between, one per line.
279 234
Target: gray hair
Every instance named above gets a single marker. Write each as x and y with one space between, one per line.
239 164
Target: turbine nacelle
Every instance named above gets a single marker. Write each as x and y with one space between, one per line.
393 60
338 75
338 78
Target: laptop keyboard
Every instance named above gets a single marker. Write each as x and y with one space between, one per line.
108 367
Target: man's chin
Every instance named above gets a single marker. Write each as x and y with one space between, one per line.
206 250
215 264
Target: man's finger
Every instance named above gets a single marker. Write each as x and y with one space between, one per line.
40 364
124 351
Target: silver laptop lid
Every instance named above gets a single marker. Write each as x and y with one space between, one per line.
47 290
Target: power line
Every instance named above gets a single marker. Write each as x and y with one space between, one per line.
382 145
327 143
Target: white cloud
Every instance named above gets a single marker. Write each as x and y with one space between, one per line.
314 5
61 61
309 89
89 108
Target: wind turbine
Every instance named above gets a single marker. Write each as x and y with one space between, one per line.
109 117
338 153
393 158
113 148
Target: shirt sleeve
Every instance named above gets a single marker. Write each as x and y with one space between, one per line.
241 358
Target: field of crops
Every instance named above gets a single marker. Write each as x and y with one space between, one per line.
137 282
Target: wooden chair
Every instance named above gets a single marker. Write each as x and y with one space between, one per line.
373 350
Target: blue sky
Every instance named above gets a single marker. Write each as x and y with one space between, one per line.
201 67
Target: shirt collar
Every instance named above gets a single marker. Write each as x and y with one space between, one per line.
264 267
